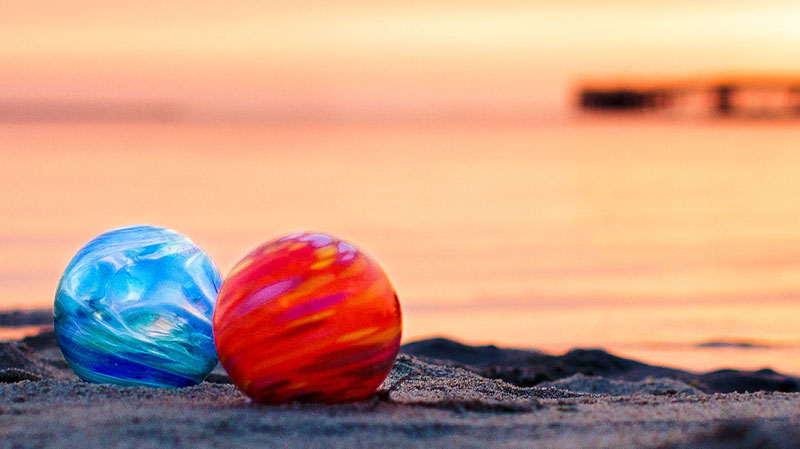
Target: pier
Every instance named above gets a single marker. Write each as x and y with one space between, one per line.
742 96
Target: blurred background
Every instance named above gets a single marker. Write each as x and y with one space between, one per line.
544 174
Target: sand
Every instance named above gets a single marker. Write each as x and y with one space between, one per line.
421 404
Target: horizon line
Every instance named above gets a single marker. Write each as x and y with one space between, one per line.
91 111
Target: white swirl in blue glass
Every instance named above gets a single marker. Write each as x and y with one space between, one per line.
134 307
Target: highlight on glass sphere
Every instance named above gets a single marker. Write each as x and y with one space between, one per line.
134 307
307 317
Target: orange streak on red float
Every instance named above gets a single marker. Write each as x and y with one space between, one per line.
307 317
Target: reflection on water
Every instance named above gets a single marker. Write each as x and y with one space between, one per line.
18 332
662 334
785 357
575 235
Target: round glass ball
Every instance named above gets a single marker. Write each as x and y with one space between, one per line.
134 307
307 317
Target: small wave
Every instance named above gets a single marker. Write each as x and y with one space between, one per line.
19 318
735 345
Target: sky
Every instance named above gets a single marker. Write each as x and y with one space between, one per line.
361 58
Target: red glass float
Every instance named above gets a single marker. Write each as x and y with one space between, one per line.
307 317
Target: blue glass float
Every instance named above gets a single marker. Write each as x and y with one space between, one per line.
134 307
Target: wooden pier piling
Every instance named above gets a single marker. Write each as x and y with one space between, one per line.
723 93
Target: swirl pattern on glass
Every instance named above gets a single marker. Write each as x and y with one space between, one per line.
307 317
134 307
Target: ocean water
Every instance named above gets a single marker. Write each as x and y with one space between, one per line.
641 237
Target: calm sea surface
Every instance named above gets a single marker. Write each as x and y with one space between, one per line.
642 238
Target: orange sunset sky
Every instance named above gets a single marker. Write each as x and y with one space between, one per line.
362 58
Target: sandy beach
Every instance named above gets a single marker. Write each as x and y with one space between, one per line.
425 402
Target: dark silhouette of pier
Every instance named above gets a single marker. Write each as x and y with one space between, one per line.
722 95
